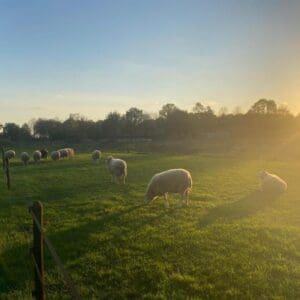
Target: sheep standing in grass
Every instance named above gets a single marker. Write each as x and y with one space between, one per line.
96 155
70 151
44 153
271 183
25 158
37 156
9 154
64 153
117 168
171 181
55 155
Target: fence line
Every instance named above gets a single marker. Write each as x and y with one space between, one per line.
39 238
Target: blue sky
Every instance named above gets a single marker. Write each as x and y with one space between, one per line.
92 57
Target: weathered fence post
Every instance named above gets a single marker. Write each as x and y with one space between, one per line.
38 250
6 170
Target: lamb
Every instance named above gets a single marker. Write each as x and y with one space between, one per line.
37 156
55 155
96 155
9 154
25 158
44 153
271 183
170 181
117 168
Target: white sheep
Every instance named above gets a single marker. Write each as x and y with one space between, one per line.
9 154
117 168
37 156
70 151
63 153
55 155
170 181
271 183
24 158
96 155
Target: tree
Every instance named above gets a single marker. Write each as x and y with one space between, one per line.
199 110
167 110
264 106
112 126
223 111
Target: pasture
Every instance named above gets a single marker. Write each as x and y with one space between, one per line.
231 242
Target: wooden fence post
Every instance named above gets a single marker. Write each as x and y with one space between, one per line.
38 250
6 169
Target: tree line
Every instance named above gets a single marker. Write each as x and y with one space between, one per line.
264 119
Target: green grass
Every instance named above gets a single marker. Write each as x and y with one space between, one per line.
230 243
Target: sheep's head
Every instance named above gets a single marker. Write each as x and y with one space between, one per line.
262 174
107 160
149 196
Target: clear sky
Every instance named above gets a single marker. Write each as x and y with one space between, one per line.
91 57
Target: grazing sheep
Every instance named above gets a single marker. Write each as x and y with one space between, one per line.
9 154
271 183
44 153
96 155
24 158
63 153
117 168
55 155
37 156
170 181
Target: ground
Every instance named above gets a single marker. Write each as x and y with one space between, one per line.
232 242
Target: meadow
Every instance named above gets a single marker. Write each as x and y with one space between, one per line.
231 242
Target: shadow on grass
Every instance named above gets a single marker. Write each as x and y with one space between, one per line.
244 207
69 244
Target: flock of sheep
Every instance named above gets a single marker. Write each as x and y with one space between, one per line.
178 181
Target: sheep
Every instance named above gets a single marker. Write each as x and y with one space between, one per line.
271 183
117 168
170 181
71 152
9 154
96 155
55 155
24 158
37 156
63 153
44 153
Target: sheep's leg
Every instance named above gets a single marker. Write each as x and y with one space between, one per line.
124 179
167 205
186 198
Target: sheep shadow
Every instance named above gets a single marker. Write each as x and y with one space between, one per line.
242 208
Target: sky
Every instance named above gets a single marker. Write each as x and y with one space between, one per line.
91 57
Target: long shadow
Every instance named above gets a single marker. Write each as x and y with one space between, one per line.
244 207
16 259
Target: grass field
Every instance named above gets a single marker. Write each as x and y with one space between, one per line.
230 243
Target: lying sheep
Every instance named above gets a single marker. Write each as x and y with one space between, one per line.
9 154
271 183
55 155
25 158
170 181
63 153
96 155
44 153
37 156
117 168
